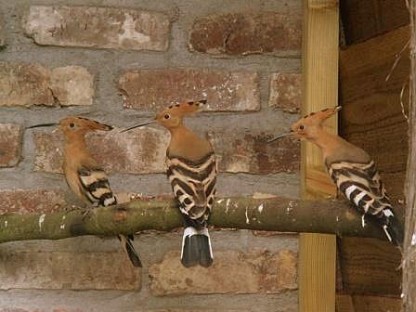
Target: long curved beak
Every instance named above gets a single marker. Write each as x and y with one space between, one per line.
42 125
279 137
138 126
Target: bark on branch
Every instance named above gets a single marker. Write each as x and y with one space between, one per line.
271 214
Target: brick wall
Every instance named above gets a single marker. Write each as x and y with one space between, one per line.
119 62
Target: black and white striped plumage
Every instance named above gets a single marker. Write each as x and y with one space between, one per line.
95 186
193 184
353 171
361 185
192 171
84 176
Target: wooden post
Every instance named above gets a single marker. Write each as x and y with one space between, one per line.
317 252
409 245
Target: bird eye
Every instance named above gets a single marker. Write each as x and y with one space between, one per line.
301 127
71 125
167 116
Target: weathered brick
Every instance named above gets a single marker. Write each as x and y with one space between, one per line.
34 309
285 92
63 307
232 272
196 310
27 201
2 33
72 85
246 33
33 84
49 152
139 151
67 310
24 85
98 27
251 153
67 270
224 90
143 151
10 144
87 309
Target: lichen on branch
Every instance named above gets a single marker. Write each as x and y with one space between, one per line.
269 214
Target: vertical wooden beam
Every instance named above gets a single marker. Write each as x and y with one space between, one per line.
409 245
317 252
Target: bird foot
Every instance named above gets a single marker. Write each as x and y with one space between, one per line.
86 213
73 208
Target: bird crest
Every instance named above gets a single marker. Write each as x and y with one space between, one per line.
182 109
309 124
172 116
77 123
317 118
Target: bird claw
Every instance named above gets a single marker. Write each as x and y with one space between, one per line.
73 208
86 213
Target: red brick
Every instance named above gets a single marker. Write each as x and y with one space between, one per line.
24 85
143 151
27 201
139 151
251 153
98 27
2 32
10 144
285 92
199 310
232 272
50 309
72 85
33 84
67 270
224 90
246 33
121 307
49 152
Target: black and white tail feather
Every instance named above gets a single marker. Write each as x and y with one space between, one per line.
361 184
193 185
96 188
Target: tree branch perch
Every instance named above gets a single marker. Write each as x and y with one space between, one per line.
271 214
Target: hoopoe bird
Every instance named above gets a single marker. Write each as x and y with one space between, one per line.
84 176
192 171
353 172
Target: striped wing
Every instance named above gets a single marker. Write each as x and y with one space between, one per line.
193 184
95 186
361 184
